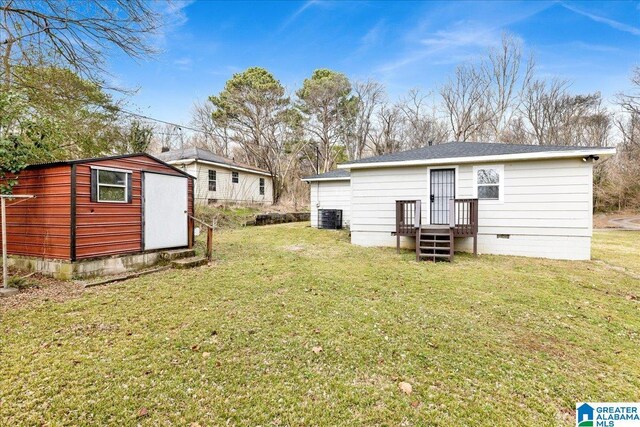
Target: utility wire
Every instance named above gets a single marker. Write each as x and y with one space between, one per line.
122 110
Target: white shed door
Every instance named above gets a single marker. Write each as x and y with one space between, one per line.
165 211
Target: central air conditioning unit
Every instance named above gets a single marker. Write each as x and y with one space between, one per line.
330 219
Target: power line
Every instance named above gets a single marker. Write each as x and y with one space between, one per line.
142 116
122 110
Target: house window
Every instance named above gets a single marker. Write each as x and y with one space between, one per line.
262 186
234 177
110 185
489 182
212 180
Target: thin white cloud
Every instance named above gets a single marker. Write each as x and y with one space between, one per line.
603 20
460 40
373 35
183 64
592 47
297 13
174 17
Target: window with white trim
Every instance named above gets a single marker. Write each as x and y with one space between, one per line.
235 178
112 186
262 186
212 180
489 182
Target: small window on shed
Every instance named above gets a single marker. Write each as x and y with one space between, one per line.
234 177
110 186
262 186
212 180
489 182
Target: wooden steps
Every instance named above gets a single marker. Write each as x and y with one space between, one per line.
433 244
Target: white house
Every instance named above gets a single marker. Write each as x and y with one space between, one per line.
222 180
531 200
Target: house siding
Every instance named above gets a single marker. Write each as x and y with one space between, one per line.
247 190
331 195
546 210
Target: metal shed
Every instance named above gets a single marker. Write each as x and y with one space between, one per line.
91 209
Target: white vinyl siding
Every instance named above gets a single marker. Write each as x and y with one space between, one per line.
331 195
247 190
545 208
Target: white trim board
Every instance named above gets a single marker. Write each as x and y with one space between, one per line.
326 179
485 159
222 165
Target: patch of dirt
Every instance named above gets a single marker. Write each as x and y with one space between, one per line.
618 269
623 220
41 289
294 248
546 344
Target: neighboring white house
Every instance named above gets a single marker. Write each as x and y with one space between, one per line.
533 200
221 180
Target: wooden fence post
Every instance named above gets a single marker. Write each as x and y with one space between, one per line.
190 228
209 243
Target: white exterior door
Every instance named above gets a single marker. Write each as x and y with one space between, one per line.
165 211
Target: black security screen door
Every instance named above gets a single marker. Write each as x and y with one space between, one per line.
443 189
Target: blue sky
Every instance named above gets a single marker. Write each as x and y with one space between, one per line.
401 44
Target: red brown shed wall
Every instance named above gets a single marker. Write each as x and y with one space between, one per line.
41 227
103 229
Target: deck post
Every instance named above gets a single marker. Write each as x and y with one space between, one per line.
451 240
452 213
475 244
418 243
398 219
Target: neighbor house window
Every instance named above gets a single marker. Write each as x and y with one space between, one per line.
489 182
110 185
212 180
234 177
262 186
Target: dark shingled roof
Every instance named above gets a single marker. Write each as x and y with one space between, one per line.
334 174
466 149
202 154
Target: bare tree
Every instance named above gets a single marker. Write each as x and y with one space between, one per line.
74 34
369 95
507 80
465 103
421 126
630 101
388 134
215 135
556 117
618 179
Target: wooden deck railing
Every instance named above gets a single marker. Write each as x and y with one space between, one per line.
463 219
463 214
408 213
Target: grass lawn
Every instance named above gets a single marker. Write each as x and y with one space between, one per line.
295 326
